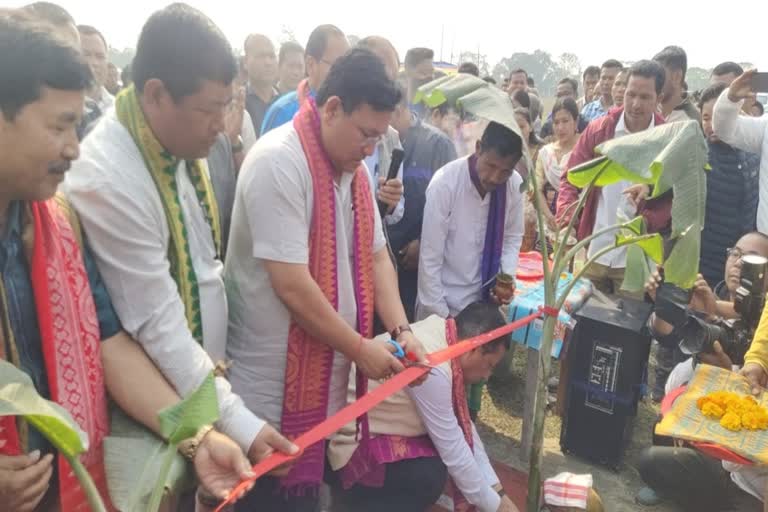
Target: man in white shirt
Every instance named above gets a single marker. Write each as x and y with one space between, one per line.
420 432
98 100
142 161
306 265
644 85
746 133
473 225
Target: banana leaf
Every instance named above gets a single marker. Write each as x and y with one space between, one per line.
133 457
447 89
474 96
18 397
669 157
684 256
141 466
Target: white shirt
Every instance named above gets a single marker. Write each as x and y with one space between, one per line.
106 101
748 134
453 239
374 172
472 473
271 221
123 216
248 132
608 203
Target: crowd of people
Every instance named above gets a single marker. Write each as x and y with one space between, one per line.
196 213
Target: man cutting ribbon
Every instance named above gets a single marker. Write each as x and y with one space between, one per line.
307 264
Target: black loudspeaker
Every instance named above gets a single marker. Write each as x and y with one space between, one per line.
607 360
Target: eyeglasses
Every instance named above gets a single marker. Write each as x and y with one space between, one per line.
369 140
738 253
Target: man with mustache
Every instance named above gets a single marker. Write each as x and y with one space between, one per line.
473 225
57 322
645 83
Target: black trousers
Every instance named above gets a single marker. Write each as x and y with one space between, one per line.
265 498
693 481
409 486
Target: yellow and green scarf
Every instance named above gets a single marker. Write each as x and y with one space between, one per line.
162 167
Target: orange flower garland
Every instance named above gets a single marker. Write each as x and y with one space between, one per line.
734 411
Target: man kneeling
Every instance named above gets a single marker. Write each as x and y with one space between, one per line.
421 435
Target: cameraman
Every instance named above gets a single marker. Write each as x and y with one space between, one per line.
708 304
685 476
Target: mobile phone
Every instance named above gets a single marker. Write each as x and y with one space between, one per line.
760 82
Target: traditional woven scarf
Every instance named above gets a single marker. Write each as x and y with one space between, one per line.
310 361
162 166
494 230
368 467
69 331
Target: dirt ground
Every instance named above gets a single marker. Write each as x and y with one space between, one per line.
500 425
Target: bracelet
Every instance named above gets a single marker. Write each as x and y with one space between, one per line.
397 331
359 348
188 447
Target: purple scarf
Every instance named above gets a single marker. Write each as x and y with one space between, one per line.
494 230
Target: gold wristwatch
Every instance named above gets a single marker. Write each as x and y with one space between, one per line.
188 447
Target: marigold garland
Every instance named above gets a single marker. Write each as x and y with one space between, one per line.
735 412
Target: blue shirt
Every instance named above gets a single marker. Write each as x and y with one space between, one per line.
594 110
281 111
14 273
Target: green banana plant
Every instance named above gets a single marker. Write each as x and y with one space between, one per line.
18 397
140 466
668 157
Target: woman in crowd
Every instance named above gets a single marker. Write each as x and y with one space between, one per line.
553 157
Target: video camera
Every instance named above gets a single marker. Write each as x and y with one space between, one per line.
697 336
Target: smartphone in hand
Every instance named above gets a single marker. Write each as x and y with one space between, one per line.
760 82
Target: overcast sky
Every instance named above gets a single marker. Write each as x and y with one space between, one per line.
629 30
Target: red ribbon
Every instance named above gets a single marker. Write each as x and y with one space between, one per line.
372 399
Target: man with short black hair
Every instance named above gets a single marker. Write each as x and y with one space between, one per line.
290 64
57 321
518 81
419 433
566 88
260 63
469 68
473 225
307 265
645 83
600 105
726 72
589 80
326 44
62 23
419 70
144 195
675 103
99 100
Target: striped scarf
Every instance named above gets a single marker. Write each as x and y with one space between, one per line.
162 167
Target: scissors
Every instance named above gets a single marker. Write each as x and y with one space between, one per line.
408 358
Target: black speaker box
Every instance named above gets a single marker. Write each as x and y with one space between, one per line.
607 360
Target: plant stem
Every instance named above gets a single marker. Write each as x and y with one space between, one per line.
86 482
158 491
545 364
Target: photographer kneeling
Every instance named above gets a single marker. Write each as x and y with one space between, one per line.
681 474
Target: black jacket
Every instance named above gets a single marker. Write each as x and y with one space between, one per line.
731 208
